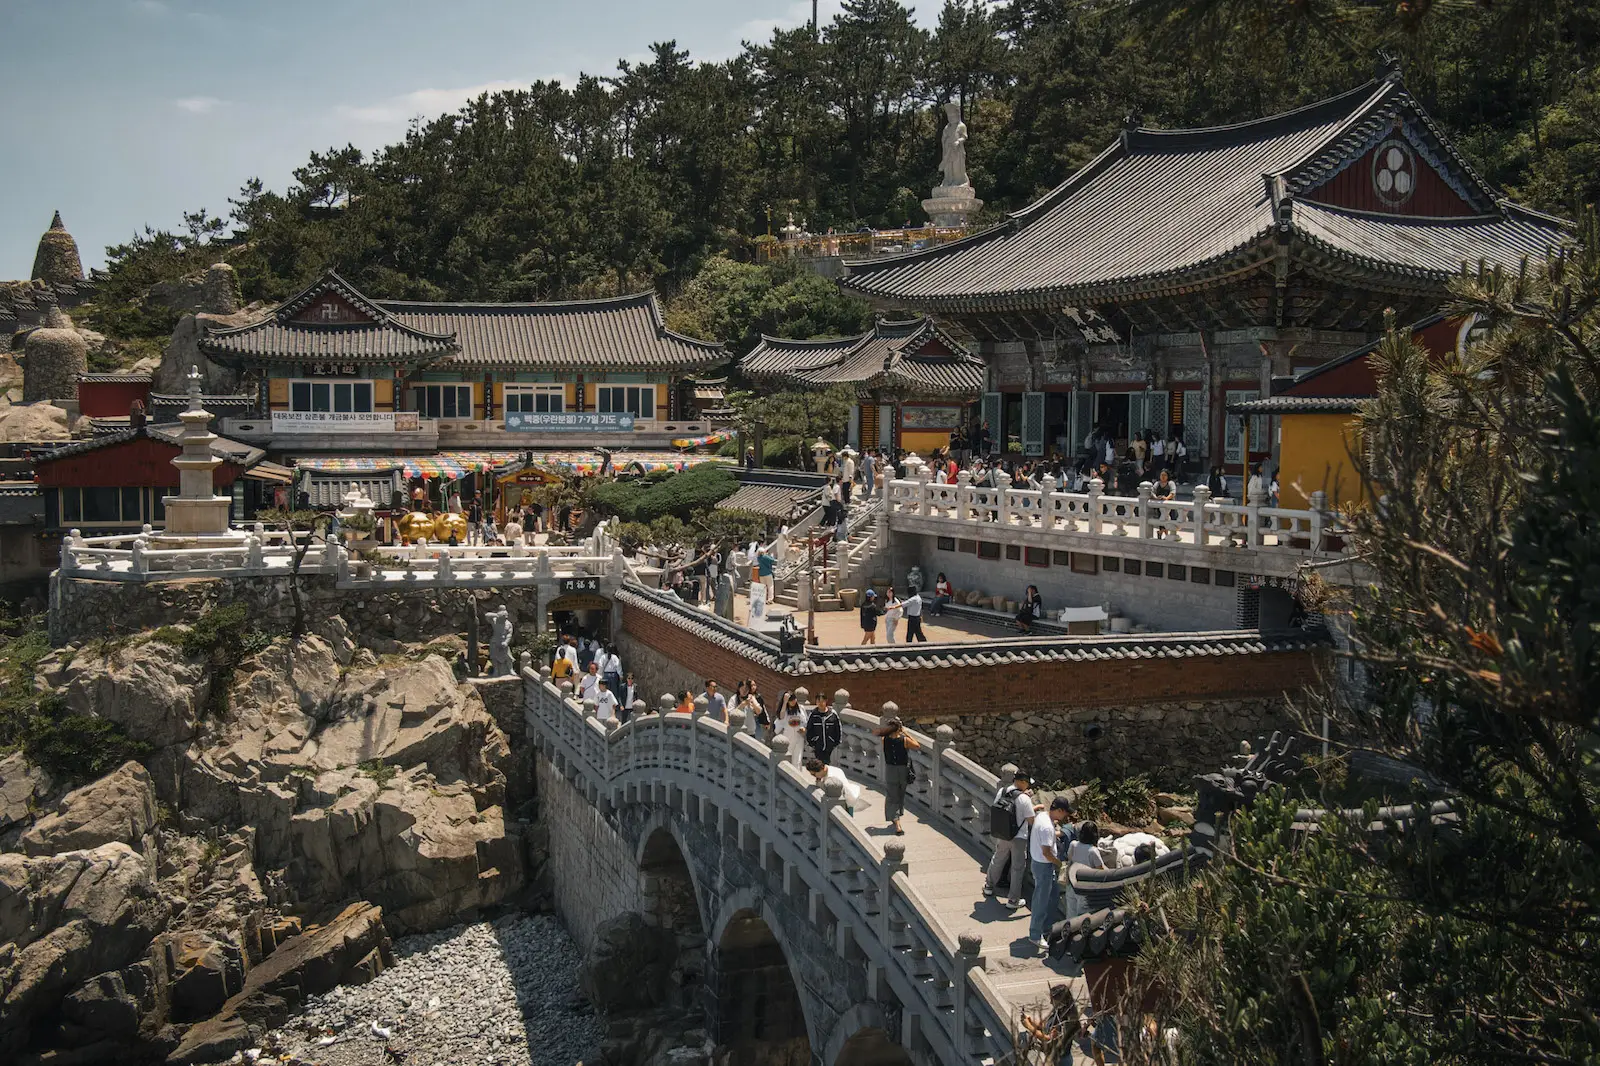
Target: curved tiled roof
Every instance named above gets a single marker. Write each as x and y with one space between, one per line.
1425 247
1103 648
382 339
1301 405
896 354
1159 209
622 333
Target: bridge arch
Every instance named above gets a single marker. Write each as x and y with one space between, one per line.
862 1038
754 1002
670 898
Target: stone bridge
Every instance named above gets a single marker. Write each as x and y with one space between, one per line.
822 938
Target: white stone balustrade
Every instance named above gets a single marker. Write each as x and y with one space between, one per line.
975 511
866 883
267 553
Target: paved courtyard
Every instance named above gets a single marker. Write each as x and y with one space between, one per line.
838 628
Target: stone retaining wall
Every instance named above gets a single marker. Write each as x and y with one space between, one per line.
86 610
594 873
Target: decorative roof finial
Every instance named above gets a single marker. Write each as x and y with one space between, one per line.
1389 68
194 387
56 223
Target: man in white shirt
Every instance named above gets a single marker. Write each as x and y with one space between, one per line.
567 651
1046 863
589 683
868 469
912 607
847 477
605 701
821 771
1011 849
611 670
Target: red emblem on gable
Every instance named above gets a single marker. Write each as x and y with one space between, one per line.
1394 172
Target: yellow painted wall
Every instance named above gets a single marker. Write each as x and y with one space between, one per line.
923 441
571 401
278 393
383 394
1314 453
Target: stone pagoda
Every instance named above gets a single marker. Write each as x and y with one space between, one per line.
197 517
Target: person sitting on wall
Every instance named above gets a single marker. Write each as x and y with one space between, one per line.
1032 609
943 591
821 771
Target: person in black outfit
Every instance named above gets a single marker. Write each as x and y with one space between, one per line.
897 747
823 731
869 617
1031 610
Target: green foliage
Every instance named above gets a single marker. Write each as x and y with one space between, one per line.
683 495
222 638
632 536
670 531
76 747
1127 800
802 414
669 171
736 303
1469 941
379 771
732 526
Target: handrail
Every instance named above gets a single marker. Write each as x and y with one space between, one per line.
1200 522
938 974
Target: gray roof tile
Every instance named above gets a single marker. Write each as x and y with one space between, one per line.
624 333
1159 208
902 354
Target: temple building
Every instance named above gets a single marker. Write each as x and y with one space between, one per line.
331 370
913 382
1181 271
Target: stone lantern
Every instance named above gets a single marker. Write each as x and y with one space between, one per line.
912 467
355 504
820 452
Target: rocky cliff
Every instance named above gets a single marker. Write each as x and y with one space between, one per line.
288 809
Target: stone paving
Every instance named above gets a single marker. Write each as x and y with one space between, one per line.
950 877
842 628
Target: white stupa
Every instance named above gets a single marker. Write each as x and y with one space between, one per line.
197 517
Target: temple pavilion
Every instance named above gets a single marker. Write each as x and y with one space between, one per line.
1180 271
912 380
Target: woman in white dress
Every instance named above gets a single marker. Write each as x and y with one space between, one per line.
791 724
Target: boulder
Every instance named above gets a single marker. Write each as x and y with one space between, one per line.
352 948
65 918
33 422
120 806
10 369
147 687
183 352
214 290
23 788
205 972
119 1004
630 966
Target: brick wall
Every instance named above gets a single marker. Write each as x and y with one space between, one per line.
1072 720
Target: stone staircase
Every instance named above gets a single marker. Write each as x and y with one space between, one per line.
846 568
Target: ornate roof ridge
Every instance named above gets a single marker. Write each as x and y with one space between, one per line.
1369 93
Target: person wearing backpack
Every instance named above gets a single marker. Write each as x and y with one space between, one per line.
1010 816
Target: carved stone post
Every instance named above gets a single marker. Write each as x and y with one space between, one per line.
775 757
1145 489
1047 492
1096 487
1254 501
944 739
969 956
1002 489
894 862
1319 518
924 491
963 494
1202 497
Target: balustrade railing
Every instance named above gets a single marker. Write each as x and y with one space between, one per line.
261 552
1201 521
940 976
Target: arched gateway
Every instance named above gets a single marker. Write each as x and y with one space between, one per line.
806 938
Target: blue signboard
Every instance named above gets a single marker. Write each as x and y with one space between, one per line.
569 422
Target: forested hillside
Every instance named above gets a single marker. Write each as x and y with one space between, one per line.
637 177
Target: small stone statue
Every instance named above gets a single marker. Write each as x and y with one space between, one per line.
500 662
725 596
914 579
954 142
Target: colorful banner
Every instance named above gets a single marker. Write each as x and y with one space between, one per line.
718 437
339 422
569 422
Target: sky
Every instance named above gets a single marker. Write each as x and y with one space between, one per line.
122 113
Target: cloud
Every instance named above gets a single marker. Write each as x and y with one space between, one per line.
425 102
198 105
150 7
